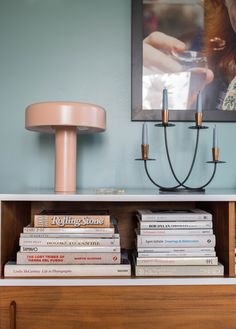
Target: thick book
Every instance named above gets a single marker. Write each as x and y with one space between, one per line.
49 218
179 270
159 225
170 261
35 249
12 270
174 214
68 258
83 242
174 232
69 230
176 241
175 250
176 254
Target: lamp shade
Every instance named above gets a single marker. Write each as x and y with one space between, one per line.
65 119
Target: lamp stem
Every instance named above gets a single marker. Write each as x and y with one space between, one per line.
65 158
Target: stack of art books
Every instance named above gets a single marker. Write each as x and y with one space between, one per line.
62 244
176 243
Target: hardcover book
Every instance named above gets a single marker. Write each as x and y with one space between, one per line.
68 258
34 249
172 215
176 241
49 218
179 270
70 235
70 230
165 225
82 242
170 261
175 232
175 250
176 254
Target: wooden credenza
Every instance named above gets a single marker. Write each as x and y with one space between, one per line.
119 303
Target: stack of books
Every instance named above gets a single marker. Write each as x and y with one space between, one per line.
176 243
62 244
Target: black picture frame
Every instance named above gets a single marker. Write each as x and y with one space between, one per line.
137 112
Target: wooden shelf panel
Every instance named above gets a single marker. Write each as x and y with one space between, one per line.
192 307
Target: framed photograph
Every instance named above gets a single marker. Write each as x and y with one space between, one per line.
174 48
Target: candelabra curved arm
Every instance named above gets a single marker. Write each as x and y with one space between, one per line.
170 163
158 185
179 185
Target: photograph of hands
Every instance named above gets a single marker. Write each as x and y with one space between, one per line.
188 47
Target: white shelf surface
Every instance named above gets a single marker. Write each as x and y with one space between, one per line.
117 282
135 195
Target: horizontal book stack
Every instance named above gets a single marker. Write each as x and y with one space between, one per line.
60 244
176 243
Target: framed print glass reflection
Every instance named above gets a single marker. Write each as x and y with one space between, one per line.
180 45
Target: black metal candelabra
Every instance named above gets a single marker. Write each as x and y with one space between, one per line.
181 185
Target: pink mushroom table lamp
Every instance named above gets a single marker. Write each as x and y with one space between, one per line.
65 119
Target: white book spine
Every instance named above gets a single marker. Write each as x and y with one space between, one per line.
68 258
35 249
176 225
170 261
176 241
175 250
175 232
69 242
30 229
70 235
176 254
194 214
179 270
15 270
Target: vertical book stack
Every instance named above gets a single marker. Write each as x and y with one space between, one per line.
176 243
62 244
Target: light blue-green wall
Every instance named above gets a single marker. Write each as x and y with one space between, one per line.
80 50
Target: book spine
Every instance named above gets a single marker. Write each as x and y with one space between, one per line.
180 270
43 270
68 235
176 254
35 249
169 261
72 221
176 241
175 232
175 250
68 258
166 217
30 229
176 225
82 242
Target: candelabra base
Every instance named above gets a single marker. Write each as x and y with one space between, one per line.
182 190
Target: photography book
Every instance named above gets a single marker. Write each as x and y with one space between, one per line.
12 270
